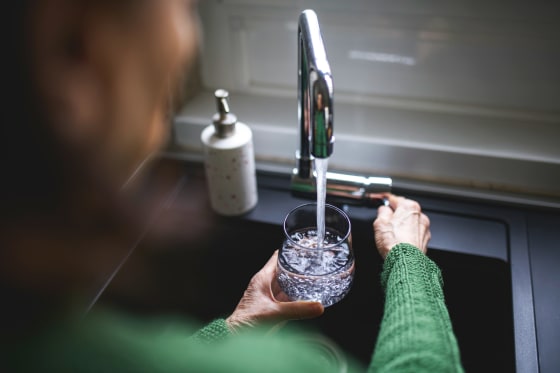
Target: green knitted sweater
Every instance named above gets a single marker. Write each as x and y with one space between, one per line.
415 336
416 333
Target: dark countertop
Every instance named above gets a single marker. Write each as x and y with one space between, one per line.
499 265
544 249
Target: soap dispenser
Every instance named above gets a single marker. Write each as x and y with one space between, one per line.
229 161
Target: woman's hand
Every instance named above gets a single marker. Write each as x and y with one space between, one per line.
401 222
265 301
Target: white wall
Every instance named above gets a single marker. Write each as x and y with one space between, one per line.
463 93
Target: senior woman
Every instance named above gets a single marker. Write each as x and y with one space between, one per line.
90 87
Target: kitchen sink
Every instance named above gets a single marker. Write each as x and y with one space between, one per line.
203 267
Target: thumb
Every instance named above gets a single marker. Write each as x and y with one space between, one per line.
301 309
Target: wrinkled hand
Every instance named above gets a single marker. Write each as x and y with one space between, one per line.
401 222
265 301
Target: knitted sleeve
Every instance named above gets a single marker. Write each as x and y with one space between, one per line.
215 331
416 333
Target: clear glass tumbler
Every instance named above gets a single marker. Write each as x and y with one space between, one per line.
309 271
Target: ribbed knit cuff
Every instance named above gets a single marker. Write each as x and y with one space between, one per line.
407 252
215 331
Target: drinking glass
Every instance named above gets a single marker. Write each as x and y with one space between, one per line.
309 271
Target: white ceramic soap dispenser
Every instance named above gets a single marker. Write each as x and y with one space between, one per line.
229 161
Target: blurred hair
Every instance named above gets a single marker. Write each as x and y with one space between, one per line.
38 173
31 166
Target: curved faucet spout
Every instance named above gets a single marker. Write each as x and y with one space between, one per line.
315 94
315 111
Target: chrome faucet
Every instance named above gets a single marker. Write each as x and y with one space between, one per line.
315 95
315 112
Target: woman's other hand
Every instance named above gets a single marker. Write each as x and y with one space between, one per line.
264 301
401 222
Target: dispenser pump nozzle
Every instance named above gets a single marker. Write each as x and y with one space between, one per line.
224 121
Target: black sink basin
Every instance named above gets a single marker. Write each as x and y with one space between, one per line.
205 275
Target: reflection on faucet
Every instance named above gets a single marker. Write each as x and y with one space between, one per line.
315 112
